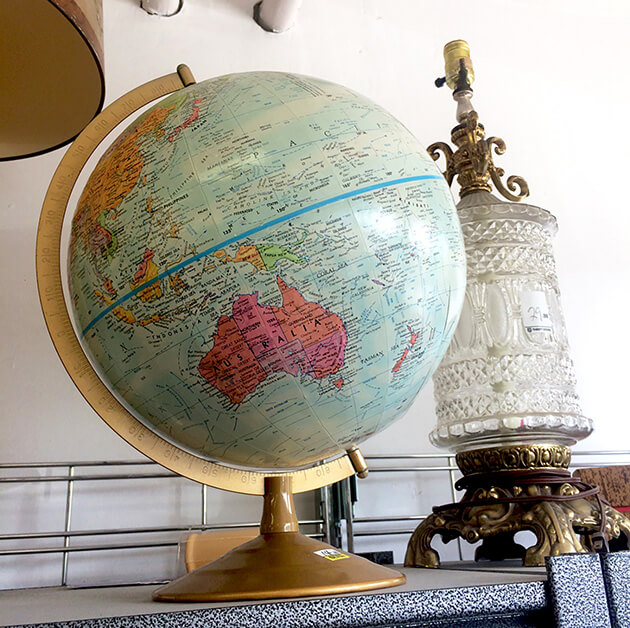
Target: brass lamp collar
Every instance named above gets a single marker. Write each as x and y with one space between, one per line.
472 161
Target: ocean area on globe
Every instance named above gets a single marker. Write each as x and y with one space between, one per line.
266 268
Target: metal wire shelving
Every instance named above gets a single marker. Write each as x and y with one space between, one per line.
327 526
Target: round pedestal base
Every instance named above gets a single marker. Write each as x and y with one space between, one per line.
284 564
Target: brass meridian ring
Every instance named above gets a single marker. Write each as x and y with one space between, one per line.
74 359
514 458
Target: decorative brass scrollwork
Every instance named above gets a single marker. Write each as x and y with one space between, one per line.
493 510
434 152
472 162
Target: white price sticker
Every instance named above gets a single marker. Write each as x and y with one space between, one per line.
331 554
535 311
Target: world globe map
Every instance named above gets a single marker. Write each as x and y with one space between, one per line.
265 269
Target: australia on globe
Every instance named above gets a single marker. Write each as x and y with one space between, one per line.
265 268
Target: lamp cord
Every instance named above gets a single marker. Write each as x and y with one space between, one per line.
598 540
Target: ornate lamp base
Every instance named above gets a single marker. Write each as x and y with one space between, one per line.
524 487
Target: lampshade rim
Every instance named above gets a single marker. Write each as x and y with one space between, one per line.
101 74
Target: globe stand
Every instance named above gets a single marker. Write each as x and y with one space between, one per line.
510 489
279 563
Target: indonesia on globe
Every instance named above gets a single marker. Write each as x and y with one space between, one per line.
265 269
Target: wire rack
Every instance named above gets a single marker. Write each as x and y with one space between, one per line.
326 527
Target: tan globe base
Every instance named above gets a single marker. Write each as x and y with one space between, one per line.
280 562
279 565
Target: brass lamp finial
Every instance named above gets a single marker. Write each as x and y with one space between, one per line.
472 161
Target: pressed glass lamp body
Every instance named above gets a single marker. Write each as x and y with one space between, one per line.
507 377
506 401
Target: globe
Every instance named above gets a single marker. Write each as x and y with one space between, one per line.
265 269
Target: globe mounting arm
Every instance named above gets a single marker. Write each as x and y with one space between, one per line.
75 361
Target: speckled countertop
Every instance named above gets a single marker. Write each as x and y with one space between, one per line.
511 596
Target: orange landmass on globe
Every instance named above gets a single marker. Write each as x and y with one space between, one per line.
106 282
296 337
126 316
109 286
147 270
338 383
405 353
178 285
156 318
260 256
114 177
245 253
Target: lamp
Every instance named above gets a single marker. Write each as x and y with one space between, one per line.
51 73
505 390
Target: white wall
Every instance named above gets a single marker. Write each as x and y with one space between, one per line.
552 80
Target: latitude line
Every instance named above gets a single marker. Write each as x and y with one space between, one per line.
247 234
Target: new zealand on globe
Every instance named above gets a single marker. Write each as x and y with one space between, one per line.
265 269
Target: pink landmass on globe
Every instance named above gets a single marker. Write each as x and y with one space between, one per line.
405 353
300 336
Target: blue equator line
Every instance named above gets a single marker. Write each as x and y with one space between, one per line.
250 232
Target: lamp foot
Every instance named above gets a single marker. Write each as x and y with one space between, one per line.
564 513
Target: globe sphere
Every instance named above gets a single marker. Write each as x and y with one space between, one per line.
265 269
